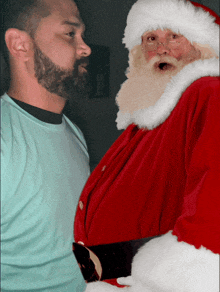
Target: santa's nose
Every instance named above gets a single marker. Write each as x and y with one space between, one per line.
163 48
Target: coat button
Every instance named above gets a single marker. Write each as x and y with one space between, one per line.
104 167
81 205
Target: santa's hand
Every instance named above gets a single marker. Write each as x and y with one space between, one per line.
127 281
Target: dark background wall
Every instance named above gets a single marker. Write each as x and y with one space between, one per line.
105 22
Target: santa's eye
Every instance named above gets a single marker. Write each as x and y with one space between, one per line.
151 38
175 36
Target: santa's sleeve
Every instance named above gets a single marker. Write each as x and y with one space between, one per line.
199 221
186 259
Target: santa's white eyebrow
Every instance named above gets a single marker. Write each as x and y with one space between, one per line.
149 34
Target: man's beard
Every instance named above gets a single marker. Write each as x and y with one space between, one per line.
67 84
146 82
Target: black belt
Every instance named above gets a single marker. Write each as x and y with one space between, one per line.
108 261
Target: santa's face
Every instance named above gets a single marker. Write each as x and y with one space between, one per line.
168 49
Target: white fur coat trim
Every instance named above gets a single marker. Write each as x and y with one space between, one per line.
155 115
166 265
196 24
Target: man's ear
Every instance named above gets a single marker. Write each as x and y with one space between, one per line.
19 44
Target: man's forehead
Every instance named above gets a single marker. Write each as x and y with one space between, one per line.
65 12
62 5
64 8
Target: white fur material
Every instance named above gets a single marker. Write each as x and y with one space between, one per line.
155 115
102 287
166 265
180 16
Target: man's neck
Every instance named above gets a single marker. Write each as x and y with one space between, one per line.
35 95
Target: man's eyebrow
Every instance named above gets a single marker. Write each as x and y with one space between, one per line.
75 24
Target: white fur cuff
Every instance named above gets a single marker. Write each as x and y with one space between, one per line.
166 265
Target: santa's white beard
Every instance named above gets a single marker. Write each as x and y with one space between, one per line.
146 82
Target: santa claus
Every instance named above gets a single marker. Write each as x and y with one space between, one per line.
161 176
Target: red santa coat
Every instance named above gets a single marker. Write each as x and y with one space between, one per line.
163 178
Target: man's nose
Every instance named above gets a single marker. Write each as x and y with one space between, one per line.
83 50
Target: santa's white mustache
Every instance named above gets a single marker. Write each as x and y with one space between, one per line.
160 61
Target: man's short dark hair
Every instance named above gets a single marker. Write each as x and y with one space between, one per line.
21 14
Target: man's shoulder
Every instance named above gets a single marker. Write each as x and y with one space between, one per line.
6 110
3 101
76 130
6 104
6 131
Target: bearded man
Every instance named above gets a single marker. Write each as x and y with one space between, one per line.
44 159
161 177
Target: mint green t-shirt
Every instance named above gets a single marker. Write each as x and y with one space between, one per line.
43 170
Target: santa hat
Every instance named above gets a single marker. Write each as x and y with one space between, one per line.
196 22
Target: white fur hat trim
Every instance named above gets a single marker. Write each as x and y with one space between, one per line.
181 16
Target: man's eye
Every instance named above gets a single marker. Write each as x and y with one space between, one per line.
71 34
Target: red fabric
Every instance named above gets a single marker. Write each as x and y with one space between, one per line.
160 180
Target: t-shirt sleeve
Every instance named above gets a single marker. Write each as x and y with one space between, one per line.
199 223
